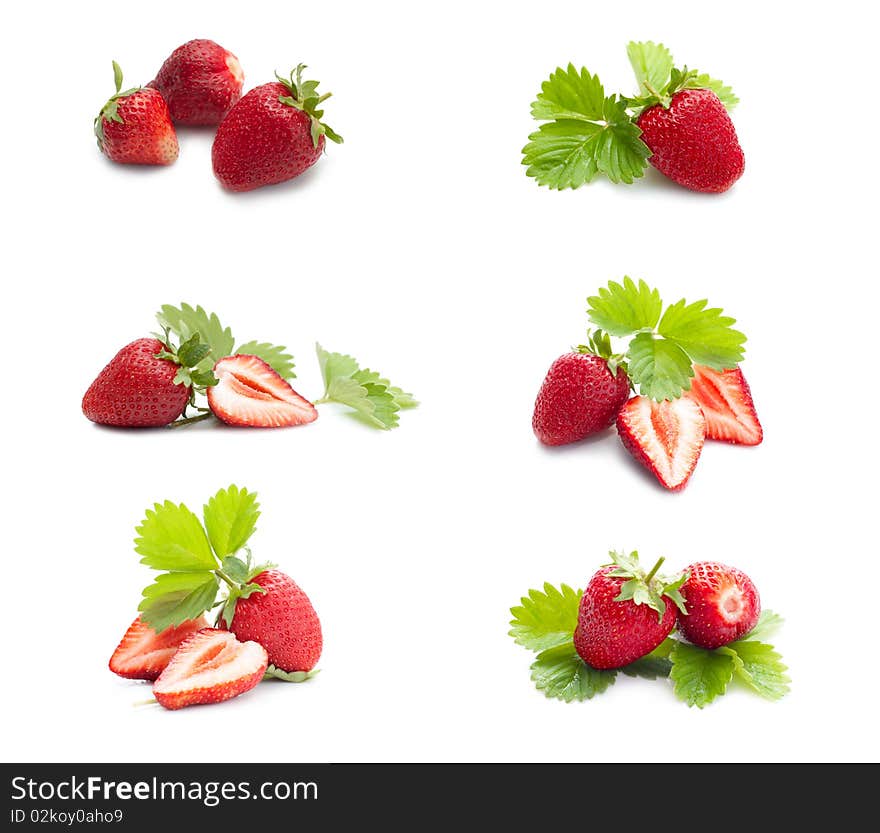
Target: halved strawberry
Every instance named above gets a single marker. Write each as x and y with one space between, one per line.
210 667
251 393
143 654
665 437
726 402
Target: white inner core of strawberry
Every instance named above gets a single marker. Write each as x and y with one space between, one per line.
730 603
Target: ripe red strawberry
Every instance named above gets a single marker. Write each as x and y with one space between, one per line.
250 392
625 614
143 654
726 402
579 396
693 141
134 126
209 667
721 603
282 620
200 81
666 437
136 389
272 134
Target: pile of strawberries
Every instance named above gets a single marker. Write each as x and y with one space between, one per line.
270 135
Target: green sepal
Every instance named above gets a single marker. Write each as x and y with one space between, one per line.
273 673
599 344
303 95
110 111
644 588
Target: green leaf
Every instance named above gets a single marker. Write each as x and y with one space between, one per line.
276 357
184 322
171 538
700 675
660 369
334 365
760 667
175 597
545 619
652 64
559 672
623 309
235 568
702 81
706 335
570 95
230 518
273 673
768 621
117 76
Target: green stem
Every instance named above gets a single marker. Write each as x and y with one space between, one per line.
188 420
656 567
322 400
226 578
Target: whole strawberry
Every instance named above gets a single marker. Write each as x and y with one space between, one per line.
693 141
134 127
581 395
282 620
721 604
200 81
147 383
272 134
624 613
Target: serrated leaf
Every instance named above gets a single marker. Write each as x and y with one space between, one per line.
401 397
545 618
383 408
623 309
559 672
175 597
660 369
172 538
702 81
700 675
768 621
235 568
570 95
652 64
761 668
273 673
276 356
185 321
230 518
335 365
706 335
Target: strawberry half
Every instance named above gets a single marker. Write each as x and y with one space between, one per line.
210 667
143 654
666 437
249 392
721 602
726 402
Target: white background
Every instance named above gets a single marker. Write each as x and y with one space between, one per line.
421 247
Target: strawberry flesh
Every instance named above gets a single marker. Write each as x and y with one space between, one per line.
726 402
251 393
666 437
722 604
143 654
209 667
693 141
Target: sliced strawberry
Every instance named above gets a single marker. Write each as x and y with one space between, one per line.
726 402
210 667
665 437
251 393
143 654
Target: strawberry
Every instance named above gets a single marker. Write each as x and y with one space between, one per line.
209 667
281 619
580 396
201 81
624 613
693 141
726 402
666 437
250 392
272 134
143 654
721 604
137 388
134 126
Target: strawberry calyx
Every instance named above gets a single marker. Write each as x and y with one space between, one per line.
304 96
646 588
599 344
239 576
188 356
110 111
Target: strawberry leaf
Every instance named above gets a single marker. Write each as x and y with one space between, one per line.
623 309
768 621
276 357
171 538
653 665
559 672
761 668
231 518
699 675
273 673
545 619
652 64
175 597
706 335
702 81
185 321
660 369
